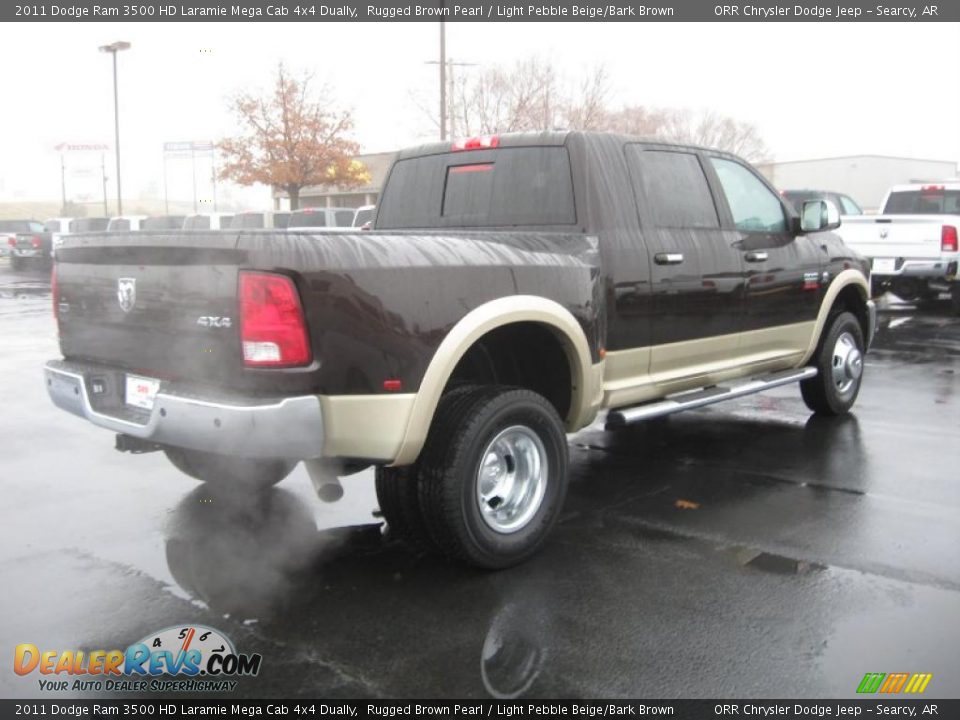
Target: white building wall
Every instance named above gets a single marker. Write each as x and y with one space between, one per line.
865 178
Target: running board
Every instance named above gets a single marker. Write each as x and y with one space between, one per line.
700 398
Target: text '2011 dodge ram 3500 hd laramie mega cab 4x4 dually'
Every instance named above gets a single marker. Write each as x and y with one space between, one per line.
512 288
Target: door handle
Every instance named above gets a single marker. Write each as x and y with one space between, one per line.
755 256
668 258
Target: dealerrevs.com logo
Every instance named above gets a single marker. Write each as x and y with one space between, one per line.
191 658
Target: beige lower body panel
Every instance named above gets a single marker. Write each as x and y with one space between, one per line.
643 374
370 427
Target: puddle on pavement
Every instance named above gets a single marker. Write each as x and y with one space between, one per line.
777 564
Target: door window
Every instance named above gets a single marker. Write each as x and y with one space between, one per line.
675 190
754 206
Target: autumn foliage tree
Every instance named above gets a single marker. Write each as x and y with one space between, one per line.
290 139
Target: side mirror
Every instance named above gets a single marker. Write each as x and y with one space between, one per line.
819 215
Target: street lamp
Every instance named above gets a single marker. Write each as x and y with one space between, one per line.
113 49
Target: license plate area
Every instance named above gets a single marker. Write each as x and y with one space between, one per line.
884 266
141 391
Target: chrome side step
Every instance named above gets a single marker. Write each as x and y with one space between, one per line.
700 398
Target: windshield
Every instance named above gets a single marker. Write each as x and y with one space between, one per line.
935 201
308 218
20 226
163 222
89 224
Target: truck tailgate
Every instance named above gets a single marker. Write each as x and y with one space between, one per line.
886 236
160 304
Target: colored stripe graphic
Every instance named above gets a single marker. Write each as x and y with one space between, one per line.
894 682
871 682
918 682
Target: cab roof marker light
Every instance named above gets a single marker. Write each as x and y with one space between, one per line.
482 142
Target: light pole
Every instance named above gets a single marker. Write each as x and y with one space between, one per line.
113 49
443 81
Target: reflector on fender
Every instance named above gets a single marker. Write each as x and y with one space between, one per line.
273 329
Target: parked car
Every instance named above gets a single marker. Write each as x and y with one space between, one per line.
514 287
208 221
846 204
126 222
57 227
260 220
364 216
912 244
163 222
28 243
325 218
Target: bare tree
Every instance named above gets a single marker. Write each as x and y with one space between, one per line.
521 97
587 107
682 125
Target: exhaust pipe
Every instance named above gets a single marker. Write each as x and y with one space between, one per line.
326 483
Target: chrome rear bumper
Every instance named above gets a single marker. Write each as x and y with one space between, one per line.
290 428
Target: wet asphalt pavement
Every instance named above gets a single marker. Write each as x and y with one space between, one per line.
744 550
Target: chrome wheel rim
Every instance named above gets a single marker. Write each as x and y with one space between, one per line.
846 365
512 479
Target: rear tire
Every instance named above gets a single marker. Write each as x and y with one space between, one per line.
839 363
493 475
228 472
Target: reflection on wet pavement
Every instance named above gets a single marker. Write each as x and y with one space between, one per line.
745 549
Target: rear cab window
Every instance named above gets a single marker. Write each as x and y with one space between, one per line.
932 200
502 187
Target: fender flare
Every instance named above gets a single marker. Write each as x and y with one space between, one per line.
843 280
585 376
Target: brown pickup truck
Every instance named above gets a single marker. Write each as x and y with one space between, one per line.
513 288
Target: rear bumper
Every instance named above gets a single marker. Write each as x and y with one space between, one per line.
945 268
291 427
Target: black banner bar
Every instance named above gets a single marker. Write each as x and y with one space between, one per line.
178 707
481 11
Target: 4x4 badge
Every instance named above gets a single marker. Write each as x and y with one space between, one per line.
127 293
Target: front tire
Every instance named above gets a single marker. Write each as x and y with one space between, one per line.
493 475
839 363
227 472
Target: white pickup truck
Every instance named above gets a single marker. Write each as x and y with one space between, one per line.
912 245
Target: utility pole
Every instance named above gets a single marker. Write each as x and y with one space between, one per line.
113 49
443 79
63 184
103 178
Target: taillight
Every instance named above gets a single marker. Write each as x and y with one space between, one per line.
12 241
55 293
273 329
948 238
36 241
476 143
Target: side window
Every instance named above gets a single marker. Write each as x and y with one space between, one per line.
849 207
754 207
675 193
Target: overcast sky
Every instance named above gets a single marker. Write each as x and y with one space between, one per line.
813 90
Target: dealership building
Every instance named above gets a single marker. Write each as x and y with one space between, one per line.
377 164
865 178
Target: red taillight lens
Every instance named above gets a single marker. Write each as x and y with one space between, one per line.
55 293
476 143
948 238
36 241
12 241
273 329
